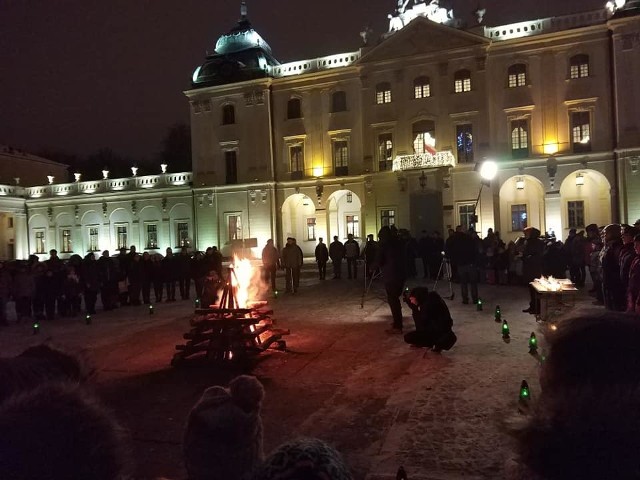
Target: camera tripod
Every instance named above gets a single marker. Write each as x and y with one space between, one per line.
444 273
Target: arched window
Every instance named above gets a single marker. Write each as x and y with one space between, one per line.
519 138
339 101
579 66
424 137
462 81
294 109
228 115
517 75
421 87
383 93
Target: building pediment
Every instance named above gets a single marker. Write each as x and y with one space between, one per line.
421 37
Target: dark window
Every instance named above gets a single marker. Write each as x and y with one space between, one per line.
341 156
518 217
579 66
575 214
462 81
519 139
383 93
231 164
339 102
421 87
121 234
294 108
517 75
385 152
464 143
581 131
228 115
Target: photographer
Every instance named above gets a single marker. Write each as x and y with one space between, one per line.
432 319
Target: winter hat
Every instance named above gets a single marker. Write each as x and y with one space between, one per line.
60 432
223 436
304 459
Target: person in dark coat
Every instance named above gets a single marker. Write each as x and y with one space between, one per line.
434 255
392 262
157 277
292 260
633 284
425 246
627 253
55 291
532 265
322 257
109 275
464 253
270 263
135 276
123 260
72 291
432 320
612 286
336 252
183 263
39 269
23 288
169 274
146 272
370 254
351 253
5 292
90 280
198 272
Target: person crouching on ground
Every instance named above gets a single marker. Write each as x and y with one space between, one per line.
432 319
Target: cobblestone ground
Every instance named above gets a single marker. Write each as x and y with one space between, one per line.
343 379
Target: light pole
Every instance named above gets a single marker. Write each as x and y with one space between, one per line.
488 171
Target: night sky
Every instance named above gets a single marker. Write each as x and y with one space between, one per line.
79 75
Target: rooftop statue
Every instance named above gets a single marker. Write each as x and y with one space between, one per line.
431 10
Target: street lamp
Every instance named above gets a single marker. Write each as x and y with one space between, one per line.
488 170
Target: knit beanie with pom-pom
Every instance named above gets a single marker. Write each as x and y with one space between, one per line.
223 436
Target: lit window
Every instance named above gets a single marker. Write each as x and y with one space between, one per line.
575 214
182 234
311 228
517 75
40 241
387 218
121 236
93 239
339 102
294 108
228 115
581 131
424 137
518 217
385 151
464 143
234 224
579 66
353 225
519 139
66 241
421 87
152 236
462 81
466 213
383 93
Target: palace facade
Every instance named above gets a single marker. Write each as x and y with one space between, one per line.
392 133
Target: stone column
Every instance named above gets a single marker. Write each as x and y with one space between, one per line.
21 232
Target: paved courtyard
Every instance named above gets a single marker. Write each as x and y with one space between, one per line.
343 379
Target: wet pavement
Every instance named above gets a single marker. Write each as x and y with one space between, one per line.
342 379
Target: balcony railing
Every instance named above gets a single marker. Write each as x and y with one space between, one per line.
100 186
423 160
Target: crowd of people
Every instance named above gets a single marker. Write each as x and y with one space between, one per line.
45 290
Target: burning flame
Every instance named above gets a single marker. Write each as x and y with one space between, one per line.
241 280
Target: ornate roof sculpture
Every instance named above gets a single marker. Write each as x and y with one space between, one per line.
241 54
420 8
